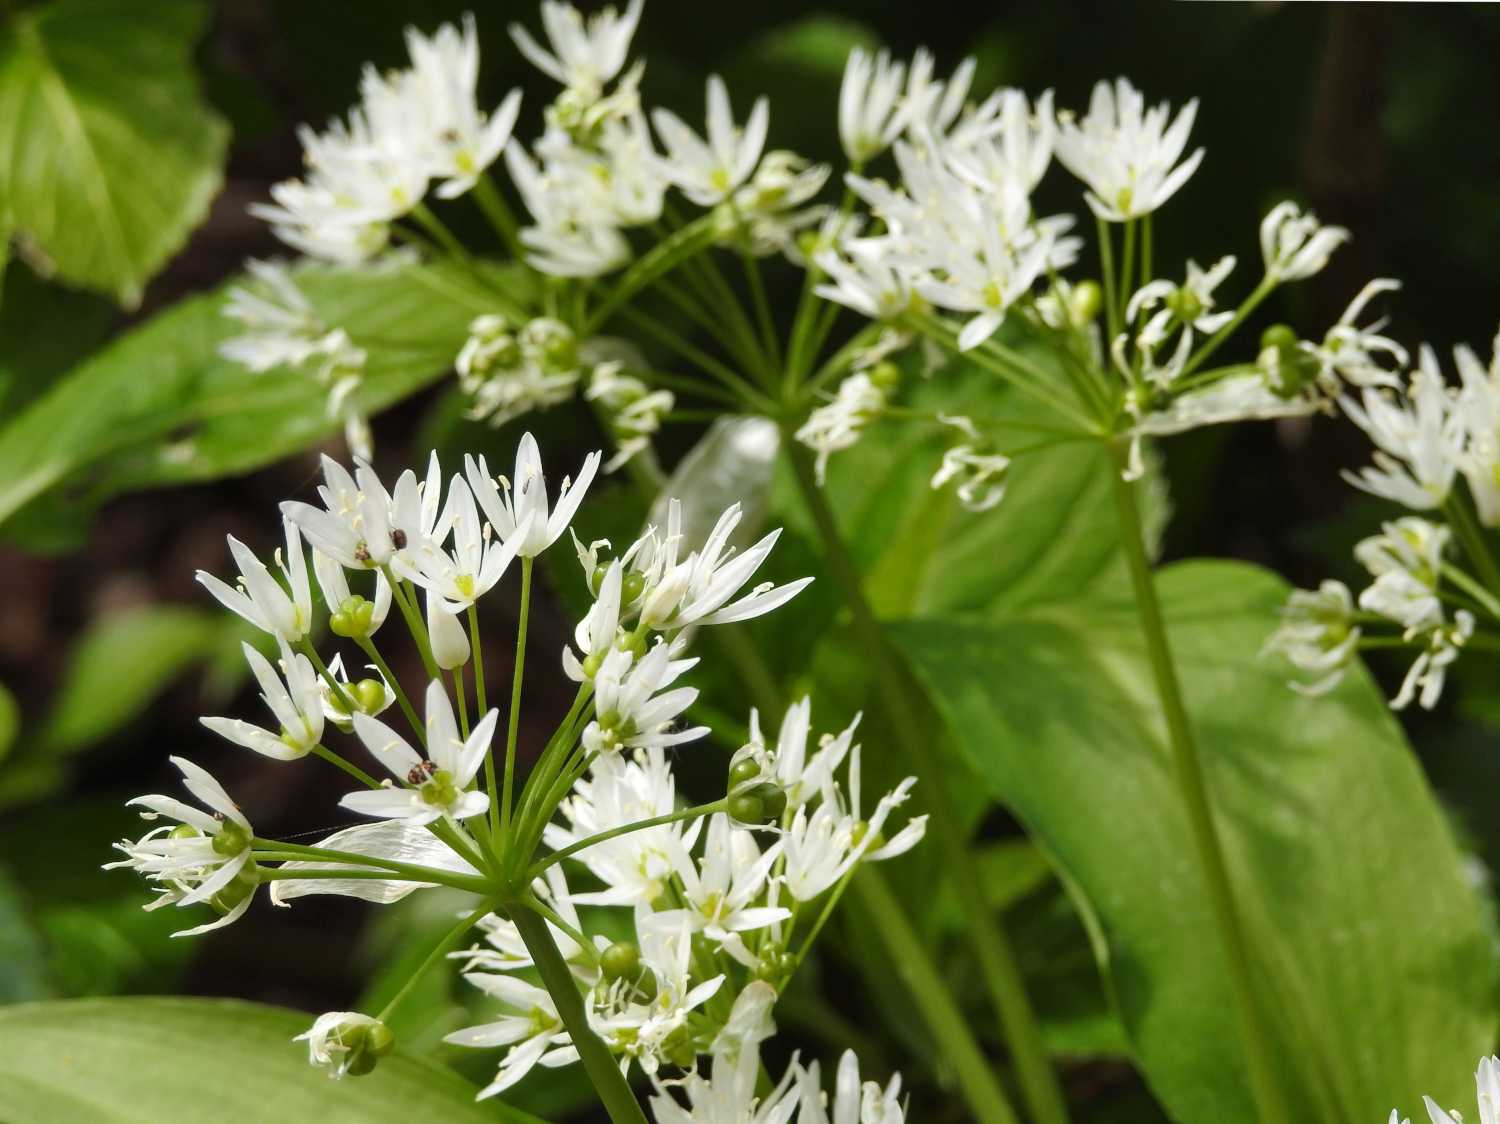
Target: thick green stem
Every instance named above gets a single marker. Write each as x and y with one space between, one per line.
929 994
997 960
1265 1081
600 1065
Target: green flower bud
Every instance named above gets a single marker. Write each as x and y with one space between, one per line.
591 664
353 618
886 375
1087 300
368 694
621 960
743 772
1185 304
632 585
360 1063
230 839
1278 336
380 1040
758 806
240 887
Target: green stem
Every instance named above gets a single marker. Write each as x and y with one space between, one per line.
1127 264
438 232
572 849
498 212
368 647
463 702
1254 1035
275 851
1107 275
1146 249
349 767
1252 302
997 960
749 394
515 695
761 305
439 950
929 995
600 1065
414 623
333 684
1487 600
1471 535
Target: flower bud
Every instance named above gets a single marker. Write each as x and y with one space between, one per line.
621 960
758 806
450 643
1087 299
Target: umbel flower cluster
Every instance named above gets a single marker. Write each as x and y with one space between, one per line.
723 898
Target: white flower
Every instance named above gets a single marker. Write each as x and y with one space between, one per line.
871 111
800 777
722 895
439 784
727 1095
530 1026
597 631
477 561
461 141
1126 154
522 510
865 278
637 1025
1318 635
1191 304
1487 1088
708 170
631 707
1406 561
1012 142
633 411
363 617
371 696
585 56
1295 245
931 105
297 705
505 951
1418 439
362 526
766 214
822 847
697 590
206 859
281 328
981 476
622 789
285 613
853 1103
1424 681
345 1042
837 425
1479 407
1349 352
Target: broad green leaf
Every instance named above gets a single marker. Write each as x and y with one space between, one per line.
1373 966
44 330
161 406
109 156
143 1061
119 665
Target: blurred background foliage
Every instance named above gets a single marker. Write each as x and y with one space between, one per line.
1372 114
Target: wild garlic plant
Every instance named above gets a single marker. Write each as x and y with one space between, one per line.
650 244
724 897
1435 587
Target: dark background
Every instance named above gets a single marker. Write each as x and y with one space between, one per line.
1381 117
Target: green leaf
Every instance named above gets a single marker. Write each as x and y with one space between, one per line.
1373 965
23 971
142 1061
123 662
160 406
10 720
108 154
